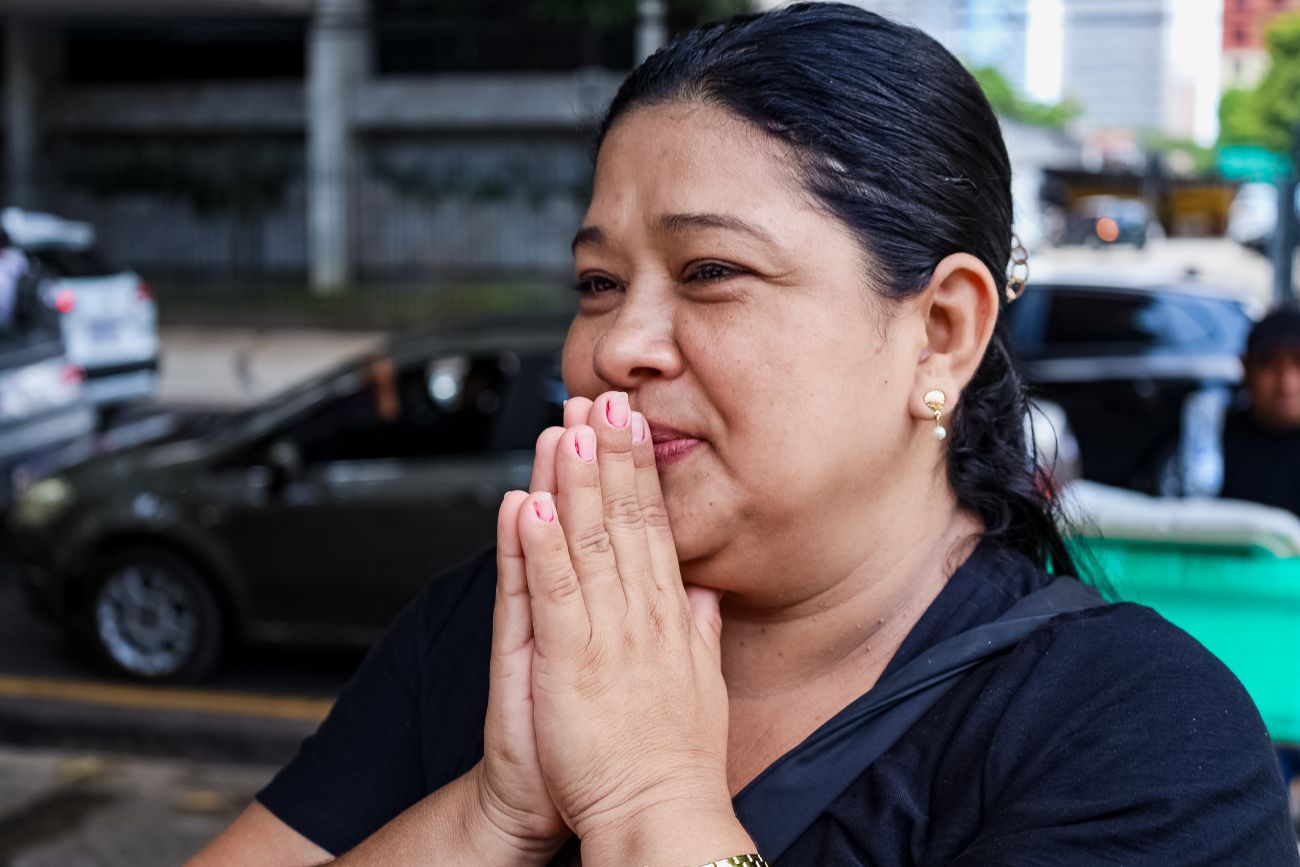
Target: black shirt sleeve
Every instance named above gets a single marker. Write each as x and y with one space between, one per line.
366 762
1147 752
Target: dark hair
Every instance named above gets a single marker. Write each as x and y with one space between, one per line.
895 138
1280 329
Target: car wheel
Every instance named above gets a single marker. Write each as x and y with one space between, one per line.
153 616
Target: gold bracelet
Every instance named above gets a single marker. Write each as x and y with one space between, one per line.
752 859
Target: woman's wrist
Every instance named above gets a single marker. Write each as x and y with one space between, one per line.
493 835
670 835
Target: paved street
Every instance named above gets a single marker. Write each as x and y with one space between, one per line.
238 366
76 809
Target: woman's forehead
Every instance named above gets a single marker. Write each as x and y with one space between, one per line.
667 164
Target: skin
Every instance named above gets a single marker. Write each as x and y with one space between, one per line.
665 629
1273 381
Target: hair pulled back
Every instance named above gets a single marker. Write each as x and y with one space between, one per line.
895 138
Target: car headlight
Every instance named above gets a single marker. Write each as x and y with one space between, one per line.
43 502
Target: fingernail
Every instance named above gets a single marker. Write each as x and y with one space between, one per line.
544 507
638 428
585 443
616 410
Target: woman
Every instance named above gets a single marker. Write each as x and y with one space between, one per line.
794 466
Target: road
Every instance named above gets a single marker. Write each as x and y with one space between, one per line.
63 808
98 772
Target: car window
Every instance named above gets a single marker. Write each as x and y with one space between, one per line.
442 407
67 262
1101 322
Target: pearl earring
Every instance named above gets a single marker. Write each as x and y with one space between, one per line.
934 399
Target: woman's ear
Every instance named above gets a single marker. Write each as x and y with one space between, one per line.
960 308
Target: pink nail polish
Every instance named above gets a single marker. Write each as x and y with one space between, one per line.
638 428
544 507
585 443
616 410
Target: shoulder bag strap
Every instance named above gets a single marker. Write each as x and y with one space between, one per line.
784 800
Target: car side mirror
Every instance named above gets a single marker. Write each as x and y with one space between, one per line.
285 462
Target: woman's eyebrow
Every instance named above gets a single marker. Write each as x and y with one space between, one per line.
673 224
588 235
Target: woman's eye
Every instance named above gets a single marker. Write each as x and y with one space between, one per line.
595 285
711 271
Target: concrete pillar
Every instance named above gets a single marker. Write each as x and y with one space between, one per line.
22 123
651 28
336 48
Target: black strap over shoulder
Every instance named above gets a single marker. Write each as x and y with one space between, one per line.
784 800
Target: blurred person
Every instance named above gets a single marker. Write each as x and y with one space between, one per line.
1261 442
791 493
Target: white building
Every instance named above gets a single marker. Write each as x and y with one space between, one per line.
1129 64
1144 64
981 32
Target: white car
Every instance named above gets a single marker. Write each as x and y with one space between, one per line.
109 318
42 407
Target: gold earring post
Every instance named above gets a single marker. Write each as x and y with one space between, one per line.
934 401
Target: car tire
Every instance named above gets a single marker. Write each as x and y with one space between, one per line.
151 615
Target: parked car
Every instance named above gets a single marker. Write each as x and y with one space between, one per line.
1144 367
1100 221
313 517
110 320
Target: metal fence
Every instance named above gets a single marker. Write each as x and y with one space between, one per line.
470 219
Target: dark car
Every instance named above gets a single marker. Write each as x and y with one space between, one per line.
1144 369
1100 221
314 517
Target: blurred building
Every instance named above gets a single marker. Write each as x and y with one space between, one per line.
1140 65
1245 57
993 33
1130 65
1117 61
348 140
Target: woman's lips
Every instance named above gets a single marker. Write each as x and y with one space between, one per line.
671 444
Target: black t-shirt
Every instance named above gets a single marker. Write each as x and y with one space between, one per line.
1260 465
1107 736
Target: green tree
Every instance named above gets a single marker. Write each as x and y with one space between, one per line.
1265 115
1010 104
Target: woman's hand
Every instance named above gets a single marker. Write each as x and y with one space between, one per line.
510 792
508 782
628 700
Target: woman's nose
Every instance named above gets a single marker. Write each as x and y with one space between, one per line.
639 344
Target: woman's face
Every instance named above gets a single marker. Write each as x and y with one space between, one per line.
739 319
